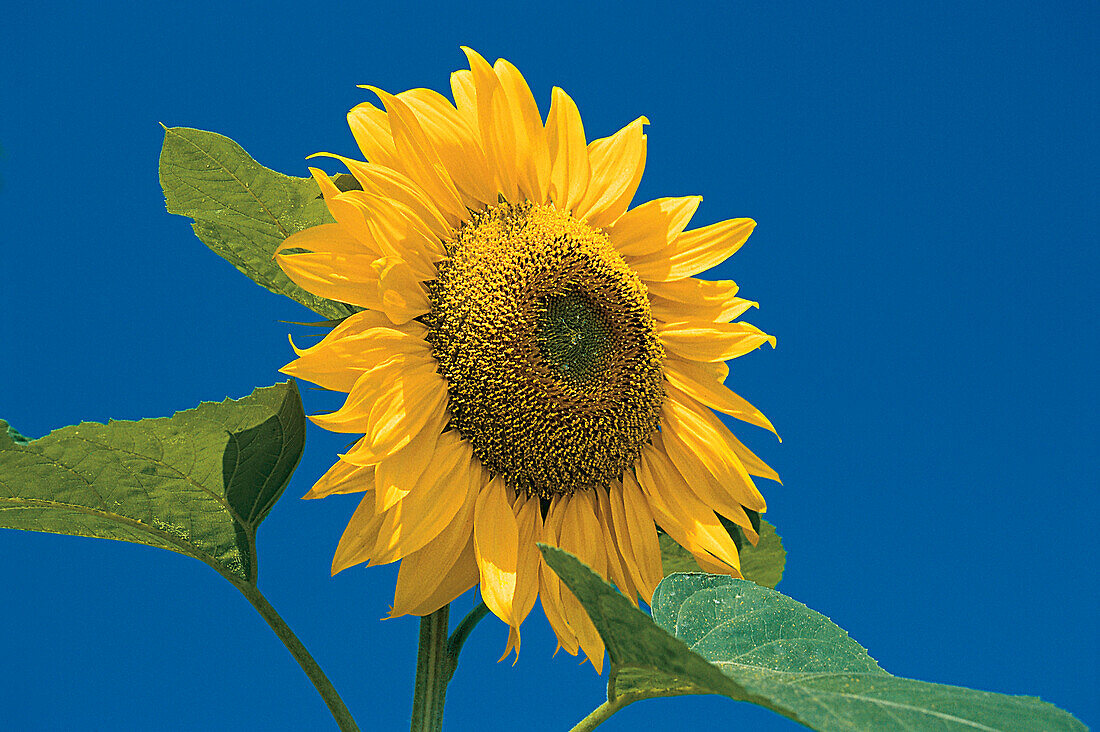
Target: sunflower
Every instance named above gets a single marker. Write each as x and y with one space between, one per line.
534 360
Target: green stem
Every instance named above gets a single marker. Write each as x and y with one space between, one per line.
462 632
436 661
433 670
601 713
324 687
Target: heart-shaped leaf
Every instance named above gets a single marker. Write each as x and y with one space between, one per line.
198 483
242 210
718 635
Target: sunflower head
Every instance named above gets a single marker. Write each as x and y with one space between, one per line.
534 359
546 341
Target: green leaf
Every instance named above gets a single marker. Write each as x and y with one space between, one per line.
242 210
763 563
719 635
198 483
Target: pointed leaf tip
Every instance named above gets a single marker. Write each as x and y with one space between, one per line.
242 210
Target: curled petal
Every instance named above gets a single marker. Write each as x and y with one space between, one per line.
698 341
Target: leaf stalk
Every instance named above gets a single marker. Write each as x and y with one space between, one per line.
324 687
602 713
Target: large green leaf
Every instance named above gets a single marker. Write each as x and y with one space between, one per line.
198 483
763 563
242 210
719 635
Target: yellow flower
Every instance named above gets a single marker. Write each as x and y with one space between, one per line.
535 362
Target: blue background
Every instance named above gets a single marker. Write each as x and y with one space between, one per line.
924 178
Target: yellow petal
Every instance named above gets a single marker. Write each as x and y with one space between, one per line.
401 294
700 341
550 587
580 536
570 170
359 537
362 455
364 340
399 472
334 362
354 414
709 563
636 535
494 120
695 299
359 410
698 382
325 238
671 311
496 543
580 532
390 184
371 130
400 235
529 521
701 433
753 464
717 496
462 576
414 401
389 218
423 513
614 165
419 159
341 478
649 228
462 89
618 207
389 403
616 565
532 152
458 143
689 521
344 211
341 277
695 251
427 569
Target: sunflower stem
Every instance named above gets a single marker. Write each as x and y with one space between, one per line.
434 668
324 687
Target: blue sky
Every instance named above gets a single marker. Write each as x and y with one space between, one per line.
924 181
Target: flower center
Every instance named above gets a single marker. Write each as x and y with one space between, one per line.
546 341
573 335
